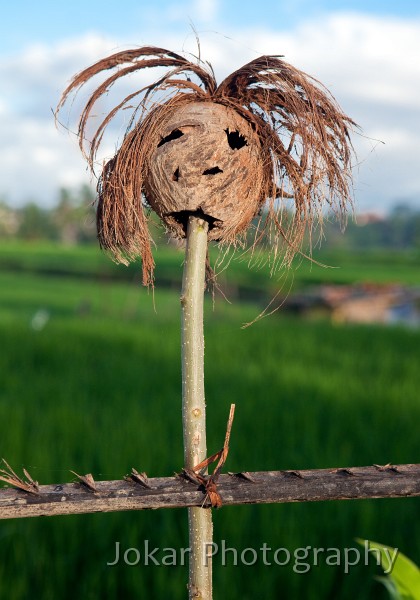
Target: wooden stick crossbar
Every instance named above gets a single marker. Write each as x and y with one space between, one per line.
263 487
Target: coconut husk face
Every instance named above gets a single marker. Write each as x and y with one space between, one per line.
207 160
269 135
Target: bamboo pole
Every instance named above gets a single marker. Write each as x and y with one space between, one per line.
261 487
193 400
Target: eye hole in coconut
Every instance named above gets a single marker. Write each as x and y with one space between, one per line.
176 175
174 135
212 171
235 139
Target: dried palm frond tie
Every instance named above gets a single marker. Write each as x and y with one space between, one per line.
209 482
268 142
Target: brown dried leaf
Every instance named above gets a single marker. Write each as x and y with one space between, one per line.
193 477
9 476
139 478
86 480
213 494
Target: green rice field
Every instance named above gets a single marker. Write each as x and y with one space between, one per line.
90 381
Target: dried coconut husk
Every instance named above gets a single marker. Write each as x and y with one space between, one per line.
207 159
177 153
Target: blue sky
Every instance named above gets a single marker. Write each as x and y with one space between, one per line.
366 53
30 22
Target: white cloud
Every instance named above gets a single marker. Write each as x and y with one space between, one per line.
205 10
372 58
36 160
363 57
371 65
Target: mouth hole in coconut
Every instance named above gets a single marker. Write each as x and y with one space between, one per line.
235 139
176 175
174 135
182 217
212 171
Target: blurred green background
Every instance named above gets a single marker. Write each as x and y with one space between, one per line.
90 381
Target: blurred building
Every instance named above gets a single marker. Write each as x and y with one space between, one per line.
364 303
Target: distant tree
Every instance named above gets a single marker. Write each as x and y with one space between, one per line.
400 230
87 213
74 217
35 223
64 217
404 225
416 226
9 220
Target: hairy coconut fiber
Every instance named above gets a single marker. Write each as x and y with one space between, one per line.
268 142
